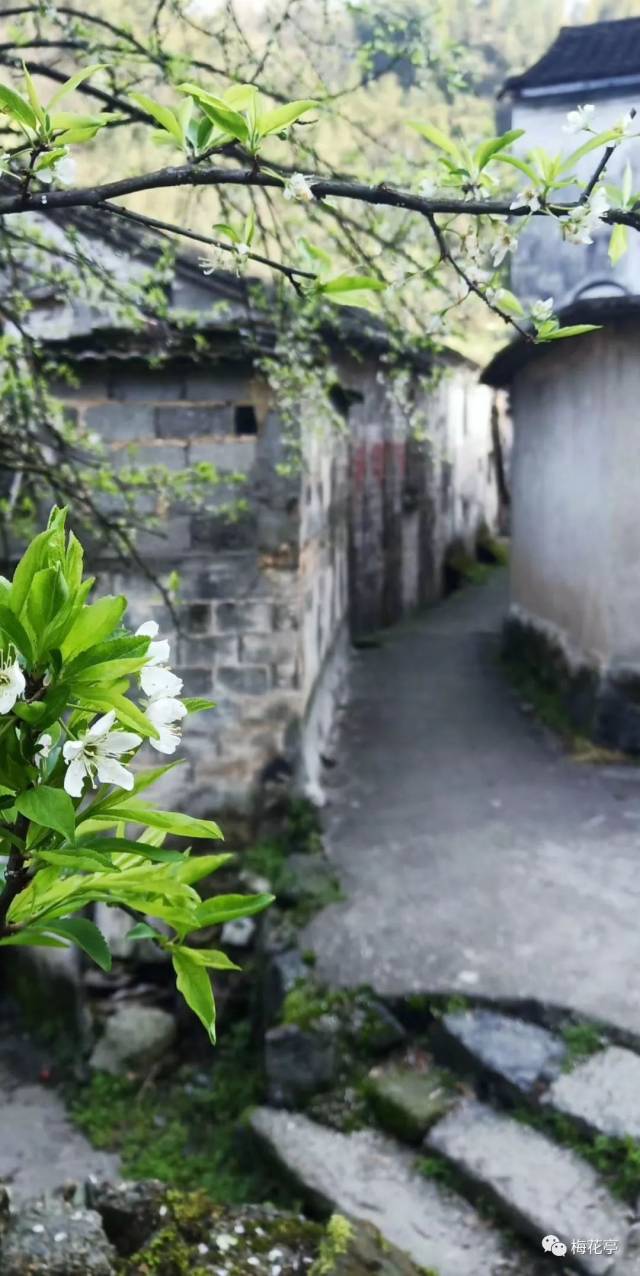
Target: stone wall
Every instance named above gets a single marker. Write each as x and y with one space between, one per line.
352 540
575 532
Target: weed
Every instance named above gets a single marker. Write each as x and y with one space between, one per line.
582 1040
183 1131
617 1161
441 1171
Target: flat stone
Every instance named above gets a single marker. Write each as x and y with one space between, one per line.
629 1262
134 1037
407 1102
369 1177
522 1054
541 1187
298 1062
40 1149
56 1239
602 1093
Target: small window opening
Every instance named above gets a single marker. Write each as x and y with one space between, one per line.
244 419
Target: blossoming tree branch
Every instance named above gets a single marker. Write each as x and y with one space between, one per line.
80 695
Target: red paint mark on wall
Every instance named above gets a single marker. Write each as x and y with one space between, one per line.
373 461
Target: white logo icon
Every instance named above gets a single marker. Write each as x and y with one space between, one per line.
553 1245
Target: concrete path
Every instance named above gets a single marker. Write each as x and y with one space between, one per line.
475 856
40 1149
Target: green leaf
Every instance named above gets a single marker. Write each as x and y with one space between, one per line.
487 150
195 867
212 958
218 111
33 558
594 143
75 81
85 935
95 623
195 704
437 138
507 302
223 228
12 104
279 119
164 116
16 633
142 930
52 808
128 713
33 96
225 908
353 283
31 939
618 243
193 982
81 860
575 330
173 821
515 162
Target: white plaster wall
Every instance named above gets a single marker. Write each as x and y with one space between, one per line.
575 560
544 265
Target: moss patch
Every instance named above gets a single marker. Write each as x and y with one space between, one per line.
200 1236
183 1131
582 1040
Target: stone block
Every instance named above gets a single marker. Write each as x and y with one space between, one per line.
134 1037
365 1175
538 1185
298 1063
286 674
197 682
115 422
264 649
54 1238
209 650
601 1093
171 455
408 1101
246 680
219 534
181 422
197 618
92 385
174 539
520 1054
147 386
218 384
235 457
244 617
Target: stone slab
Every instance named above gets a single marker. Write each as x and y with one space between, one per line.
603 1093
407 1101
542 1188
369 1177
40 1148
521 1054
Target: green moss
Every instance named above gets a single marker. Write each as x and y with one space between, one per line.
617 1161
582 1040
334 1243
540 689
194 1221
467 570
184 1131
492 550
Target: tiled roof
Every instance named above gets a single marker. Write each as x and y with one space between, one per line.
599 51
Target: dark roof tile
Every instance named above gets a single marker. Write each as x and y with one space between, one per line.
597 51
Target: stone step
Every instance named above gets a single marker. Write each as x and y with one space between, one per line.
514 1055
542 1189
603 1093
369 1177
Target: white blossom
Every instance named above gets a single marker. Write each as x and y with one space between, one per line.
65 170
627 124
158 653
580 119
477 276
542 310
527 198
297 187
217 259
12 681
225 1242
157 681
505 243
44 746
95 756
580 223
163 713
